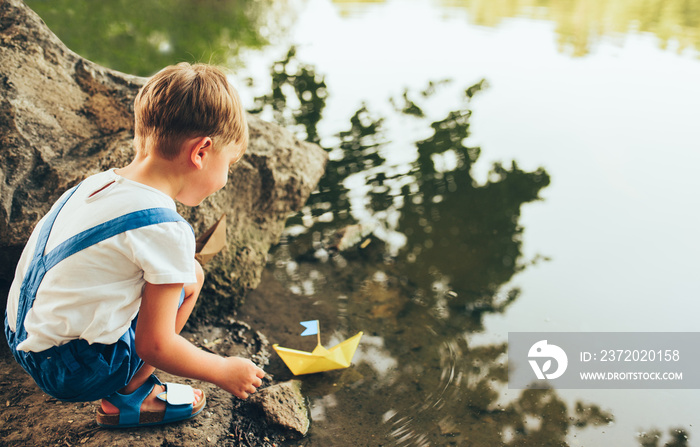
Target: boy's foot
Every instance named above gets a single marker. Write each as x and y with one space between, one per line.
151 403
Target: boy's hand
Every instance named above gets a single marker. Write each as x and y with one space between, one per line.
242 377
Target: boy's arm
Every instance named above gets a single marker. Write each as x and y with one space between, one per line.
159 345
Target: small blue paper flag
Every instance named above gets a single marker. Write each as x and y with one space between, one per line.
311 327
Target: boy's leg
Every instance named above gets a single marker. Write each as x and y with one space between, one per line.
183 314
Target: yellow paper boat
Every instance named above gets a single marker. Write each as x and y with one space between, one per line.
320 359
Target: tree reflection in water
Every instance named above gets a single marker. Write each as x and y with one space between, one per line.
417 380
653 438
581 24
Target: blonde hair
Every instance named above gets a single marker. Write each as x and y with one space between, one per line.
187 101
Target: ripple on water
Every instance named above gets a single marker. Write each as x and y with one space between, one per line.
410 425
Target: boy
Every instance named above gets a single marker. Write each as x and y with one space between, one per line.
108 278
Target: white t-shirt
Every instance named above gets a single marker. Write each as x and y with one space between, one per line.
96 293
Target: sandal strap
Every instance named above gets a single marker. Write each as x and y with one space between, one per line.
179 401
177 394
129 405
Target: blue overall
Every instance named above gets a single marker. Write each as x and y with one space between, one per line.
78 371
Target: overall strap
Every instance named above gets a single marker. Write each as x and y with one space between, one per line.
48 225
35 272
111 228
43 263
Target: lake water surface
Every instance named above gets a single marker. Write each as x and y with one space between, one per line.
496 167
611 119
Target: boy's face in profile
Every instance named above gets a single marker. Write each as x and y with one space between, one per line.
214 173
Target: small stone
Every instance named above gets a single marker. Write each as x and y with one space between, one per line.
283 404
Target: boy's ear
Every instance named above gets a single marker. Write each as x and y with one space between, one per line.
199 150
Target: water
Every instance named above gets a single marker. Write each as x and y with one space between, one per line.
593 228
609 248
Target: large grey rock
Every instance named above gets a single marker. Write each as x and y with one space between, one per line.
63 118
